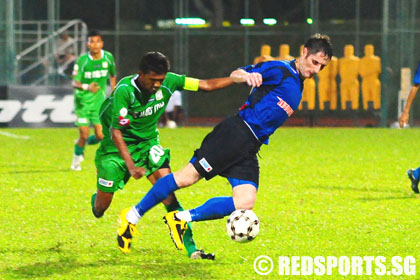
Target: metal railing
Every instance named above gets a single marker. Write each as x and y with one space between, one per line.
36 63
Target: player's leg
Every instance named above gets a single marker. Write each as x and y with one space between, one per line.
82 122
235 159
100 202
112 175
414 175
79 148
97 137
186 176
83 136
153 157
162 189
208 161
94 118
244 178
171 203
244 196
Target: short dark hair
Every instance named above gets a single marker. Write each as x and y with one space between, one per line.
94 33
154 62
319 43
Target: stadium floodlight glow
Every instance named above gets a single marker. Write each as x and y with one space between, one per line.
309 20
247 21
190 21
270 21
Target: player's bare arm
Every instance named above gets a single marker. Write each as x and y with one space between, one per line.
113 80
135 171
92 87
214 84
251 79
403 119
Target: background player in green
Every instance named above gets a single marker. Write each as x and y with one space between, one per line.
131 147
90 76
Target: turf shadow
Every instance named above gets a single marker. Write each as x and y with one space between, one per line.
148 264
361 189
36 171
386 198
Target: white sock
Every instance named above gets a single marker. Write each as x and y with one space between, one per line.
184 215
133 216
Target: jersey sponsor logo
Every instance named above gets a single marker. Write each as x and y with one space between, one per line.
203 162
159 95
286 107
95 74
105 183
123 122
148 111
123 112
158 106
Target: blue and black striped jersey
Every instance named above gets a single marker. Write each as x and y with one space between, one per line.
271 104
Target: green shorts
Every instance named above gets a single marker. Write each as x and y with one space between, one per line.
112 173
86 113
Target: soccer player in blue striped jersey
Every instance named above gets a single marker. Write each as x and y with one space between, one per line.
230 150
413 174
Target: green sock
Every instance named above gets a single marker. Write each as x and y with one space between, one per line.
92 140
78 150
92 200
188 235
94 211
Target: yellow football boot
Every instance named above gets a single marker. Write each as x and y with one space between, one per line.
125 232
176 228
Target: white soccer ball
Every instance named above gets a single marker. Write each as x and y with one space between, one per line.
171 124
243 225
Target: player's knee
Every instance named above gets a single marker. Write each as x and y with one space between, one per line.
99 136
244 202
184 181
187 176
170 200
84 137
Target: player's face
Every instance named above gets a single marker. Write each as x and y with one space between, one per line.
151 81
311 64
95 44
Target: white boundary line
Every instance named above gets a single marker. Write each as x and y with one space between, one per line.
8 134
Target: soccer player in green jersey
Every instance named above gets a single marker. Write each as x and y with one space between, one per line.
131 147
90 76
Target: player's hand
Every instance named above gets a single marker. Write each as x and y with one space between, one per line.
253 79
94 87
137 172
403 120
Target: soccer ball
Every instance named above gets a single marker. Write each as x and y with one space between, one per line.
243 225
171 124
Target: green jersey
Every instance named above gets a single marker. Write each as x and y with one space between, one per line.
136 113
87 70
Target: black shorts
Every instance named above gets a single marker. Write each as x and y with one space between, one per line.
230 150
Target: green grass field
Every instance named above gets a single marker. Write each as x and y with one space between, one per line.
323 192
